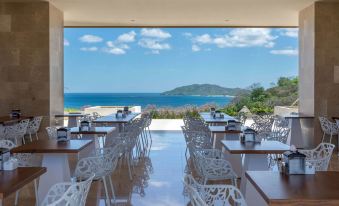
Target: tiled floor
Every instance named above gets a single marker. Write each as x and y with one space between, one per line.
157 179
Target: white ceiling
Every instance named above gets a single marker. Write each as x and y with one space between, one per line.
256 13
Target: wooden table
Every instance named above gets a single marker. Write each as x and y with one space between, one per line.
72 118
11 181
208 118
251 156
55 159
221 133
5 120
301 130
94 133
113 120
273 188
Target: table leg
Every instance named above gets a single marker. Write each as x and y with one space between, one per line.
72 122
57 171
253 197
252 162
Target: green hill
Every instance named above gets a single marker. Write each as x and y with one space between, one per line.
205 90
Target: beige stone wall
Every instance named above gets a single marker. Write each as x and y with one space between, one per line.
31 58
319 58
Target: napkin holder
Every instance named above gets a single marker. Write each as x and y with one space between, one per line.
126 110
11 164
212 111
85 126
15 113
218 115
233 125
4 157
249 135
120 114
63 134
295 162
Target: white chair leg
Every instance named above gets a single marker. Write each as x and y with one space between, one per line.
36 192
17 193
108 202
331 138
322 140
129 166
36 136
30 137
112 188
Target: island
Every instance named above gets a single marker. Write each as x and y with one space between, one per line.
206 90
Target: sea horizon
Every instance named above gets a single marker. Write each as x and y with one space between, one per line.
78 100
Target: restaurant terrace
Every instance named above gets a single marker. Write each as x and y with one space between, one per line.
124 157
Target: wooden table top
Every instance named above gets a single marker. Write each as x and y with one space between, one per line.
9 120
113 119
93 130
222 129
336 117
206 116
265 147
280 189
11 181
52 146
71 115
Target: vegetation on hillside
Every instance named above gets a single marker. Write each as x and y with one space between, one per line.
205 90
262 101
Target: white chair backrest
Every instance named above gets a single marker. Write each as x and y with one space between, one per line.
215 194
320 156
68 193
52 132
34 125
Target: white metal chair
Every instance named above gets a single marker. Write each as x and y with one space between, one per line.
101 164
279 134
320 156
24 160
212 165
68 193
52 132
213 194
17 132
328 128
33 127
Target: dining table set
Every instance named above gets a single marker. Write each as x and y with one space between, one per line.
50 161
222 151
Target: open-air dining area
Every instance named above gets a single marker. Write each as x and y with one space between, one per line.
271 145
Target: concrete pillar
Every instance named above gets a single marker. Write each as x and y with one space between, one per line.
31 59
319 62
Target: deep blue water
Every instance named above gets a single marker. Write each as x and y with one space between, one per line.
77 100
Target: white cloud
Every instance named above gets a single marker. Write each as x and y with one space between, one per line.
115 51
155 33
90 38
195 48
287 52
245 37
154 44
115 48
66 42
290 32
187 34
91 49
127 37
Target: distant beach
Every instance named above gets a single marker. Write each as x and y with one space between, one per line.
78 100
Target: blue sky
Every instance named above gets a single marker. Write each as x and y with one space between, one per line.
157 60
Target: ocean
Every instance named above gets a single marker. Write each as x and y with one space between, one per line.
78 100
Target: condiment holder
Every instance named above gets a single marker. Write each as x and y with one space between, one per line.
295 163
85 126
233 125
63 134
249 135
120 114
15 113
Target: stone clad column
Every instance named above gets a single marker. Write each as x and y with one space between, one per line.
31 59
319 62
